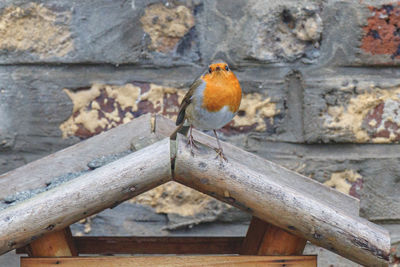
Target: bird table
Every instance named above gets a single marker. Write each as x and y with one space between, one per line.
288 209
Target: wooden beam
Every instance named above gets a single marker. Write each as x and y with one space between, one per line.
87 194
74 158
173 261
281 175
54 244
158 245
254 237
266 239
240 184
277 241
154 245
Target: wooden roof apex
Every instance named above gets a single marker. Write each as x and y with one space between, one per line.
268 191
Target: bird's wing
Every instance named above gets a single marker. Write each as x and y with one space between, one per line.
186 101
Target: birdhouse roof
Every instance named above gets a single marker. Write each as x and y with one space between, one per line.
284 198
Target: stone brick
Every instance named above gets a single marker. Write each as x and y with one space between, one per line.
169 33
37 29
102 107
352 109
186 207
117 32
258 32
381 34
166 25
361 33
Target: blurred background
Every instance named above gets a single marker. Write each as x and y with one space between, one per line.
321 95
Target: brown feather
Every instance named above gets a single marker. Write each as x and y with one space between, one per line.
186 101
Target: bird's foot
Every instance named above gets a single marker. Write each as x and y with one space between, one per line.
192 144
220 155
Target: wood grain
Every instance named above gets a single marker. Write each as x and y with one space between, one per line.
277 241
265 239
240 184
158 245
154 245
283 176
172 261
56 243
85 195
254 236
74 158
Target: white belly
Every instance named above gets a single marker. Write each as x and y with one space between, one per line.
205 120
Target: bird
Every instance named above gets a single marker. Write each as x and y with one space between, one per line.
212 101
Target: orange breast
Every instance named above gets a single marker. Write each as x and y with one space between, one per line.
222 89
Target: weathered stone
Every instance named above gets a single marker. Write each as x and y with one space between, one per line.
284 32
78 31
382 34
37 29
166 25
102 107
360 33
187 207
352 109
342 181
263 31
128 219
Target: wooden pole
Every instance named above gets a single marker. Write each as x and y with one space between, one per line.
85 195
281 175
297 212
74 158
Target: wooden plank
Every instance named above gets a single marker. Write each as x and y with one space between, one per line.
239 184
158 245
254 237
283 176
276 241
154 245
74 158
87 194
56 243
266 239
171 261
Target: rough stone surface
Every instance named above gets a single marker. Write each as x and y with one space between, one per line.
321 93
352 109
37 29
166 25
186 207
140 220
381 34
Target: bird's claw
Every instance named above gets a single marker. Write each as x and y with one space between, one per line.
220 155
192 144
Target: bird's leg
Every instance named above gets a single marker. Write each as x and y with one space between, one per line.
220 152
191 140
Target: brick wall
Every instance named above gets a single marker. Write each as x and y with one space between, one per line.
320 79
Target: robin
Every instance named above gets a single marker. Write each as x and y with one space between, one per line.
211 102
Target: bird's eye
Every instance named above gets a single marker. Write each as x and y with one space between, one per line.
226 68
209 69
